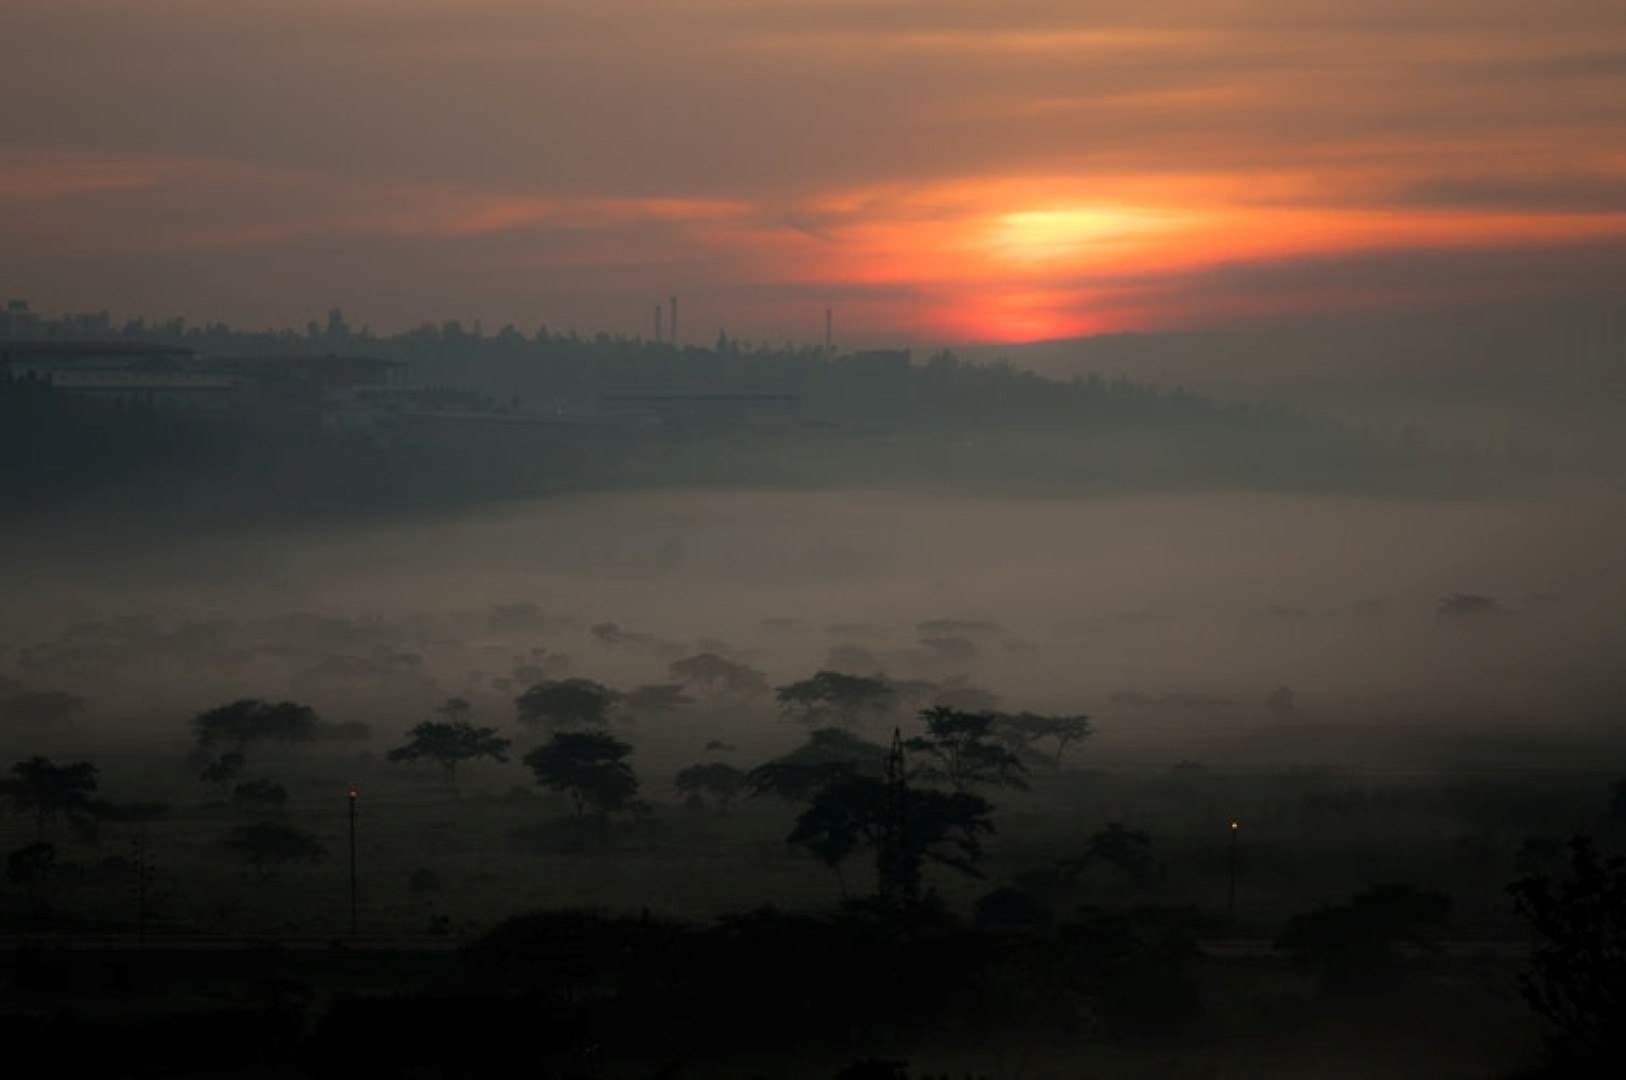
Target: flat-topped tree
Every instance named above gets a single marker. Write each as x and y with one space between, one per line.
719 676
718 779
47 791
1026 729
910 825
829 755
267 846
566 703
959 749
833 697
251 720
588 766
449 744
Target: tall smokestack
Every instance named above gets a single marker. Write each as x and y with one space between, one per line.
674 321
657 324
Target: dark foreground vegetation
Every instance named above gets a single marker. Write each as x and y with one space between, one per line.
864 991
976 928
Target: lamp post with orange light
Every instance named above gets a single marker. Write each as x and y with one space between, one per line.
1231 897
353 794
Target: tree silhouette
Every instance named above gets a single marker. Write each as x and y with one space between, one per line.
1577 976
454 709
251 720
719 676
449 744
223 769
46 791
268 846
797 781
721 781
1118 848
958 748
860 811
830 754
832 697
563 703
1024 729
589 767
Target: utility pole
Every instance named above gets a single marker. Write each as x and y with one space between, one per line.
898 871
353 794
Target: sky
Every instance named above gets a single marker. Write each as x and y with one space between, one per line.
931 170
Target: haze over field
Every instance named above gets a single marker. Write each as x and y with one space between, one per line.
1169 618
808 539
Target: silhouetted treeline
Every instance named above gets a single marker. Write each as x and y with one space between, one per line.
540 414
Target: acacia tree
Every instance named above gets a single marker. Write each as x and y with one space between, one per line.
959 749
832 697
449 744
718 779
589 767
719 676
250 720
268 846
829 755
903 826
565 703
46 791
1024 729
1119 848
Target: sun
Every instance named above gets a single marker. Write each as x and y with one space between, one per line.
1067 234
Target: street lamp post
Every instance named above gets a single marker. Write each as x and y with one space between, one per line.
1231 897
353 794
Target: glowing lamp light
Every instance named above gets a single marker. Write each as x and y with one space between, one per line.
355 791
1235 825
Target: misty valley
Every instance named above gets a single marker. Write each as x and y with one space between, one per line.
857 782
790 540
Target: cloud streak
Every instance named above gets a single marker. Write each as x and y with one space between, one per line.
1021 160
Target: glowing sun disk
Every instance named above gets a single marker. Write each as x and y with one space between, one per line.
1052 234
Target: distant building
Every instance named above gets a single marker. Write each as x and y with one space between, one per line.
17 321
315 381
169 376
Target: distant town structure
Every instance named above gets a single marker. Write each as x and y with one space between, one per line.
343 390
